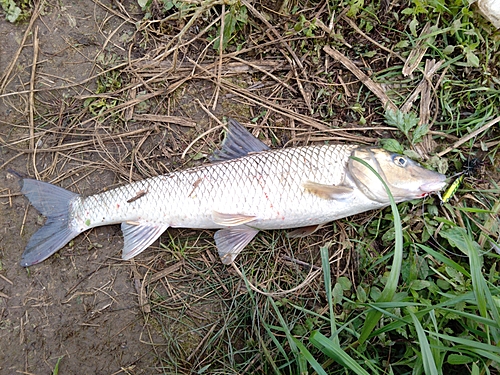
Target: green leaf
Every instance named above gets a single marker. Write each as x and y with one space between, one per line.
391 145
459 359
389 291
292 342
402 44
472 59
56 368
12 11
427 358
456 238
413 27
236 15
355 6
403 121
337 293
419 133
325 263
344 282
419 284
412 154
449 50
361 294
309 357
336 353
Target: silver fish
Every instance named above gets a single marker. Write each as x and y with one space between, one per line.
247 188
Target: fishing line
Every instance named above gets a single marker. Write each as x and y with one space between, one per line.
310 277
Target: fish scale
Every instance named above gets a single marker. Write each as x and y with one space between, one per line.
248 188
263 185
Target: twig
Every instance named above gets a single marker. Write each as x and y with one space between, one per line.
221 125
270 27
164 118
427 76
118 14
416 54
32 100
34 16
374 87
470 136
301 263
3 277
165 272
32 87
202 342
221 49
310 277
140 288
260 67
358 30
237 90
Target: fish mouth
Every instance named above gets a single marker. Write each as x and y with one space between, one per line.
432 186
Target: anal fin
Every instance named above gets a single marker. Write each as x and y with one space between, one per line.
230 242
138 236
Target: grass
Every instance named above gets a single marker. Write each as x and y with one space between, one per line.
407 290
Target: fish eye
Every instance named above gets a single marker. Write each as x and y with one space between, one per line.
400 161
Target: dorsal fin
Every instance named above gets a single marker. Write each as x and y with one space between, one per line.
238 142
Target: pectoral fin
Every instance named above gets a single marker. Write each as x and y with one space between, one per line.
138 236
328 191
231 220
303 231
231 241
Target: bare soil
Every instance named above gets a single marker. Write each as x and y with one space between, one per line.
81 305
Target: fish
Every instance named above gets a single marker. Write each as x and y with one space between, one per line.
246 188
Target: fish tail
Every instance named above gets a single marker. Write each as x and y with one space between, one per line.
54 203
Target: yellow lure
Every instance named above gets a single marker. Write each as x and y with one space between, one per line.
452 189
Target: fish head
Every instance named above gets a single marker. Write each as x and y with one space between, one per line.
406 178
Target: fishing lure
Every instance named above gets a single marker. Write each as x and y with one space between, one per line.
452 189
470 169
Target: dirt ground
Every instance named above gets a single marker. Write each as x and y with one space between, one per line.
80 309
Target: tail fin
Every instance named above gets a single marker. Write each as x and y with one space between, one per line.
53 202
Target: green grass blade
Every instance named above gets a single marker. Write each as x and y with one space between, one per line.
444 259
427 357
269 357
470 345
460 238
325 263
309 357
336 353
56 368
387 294
293 346
267 327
